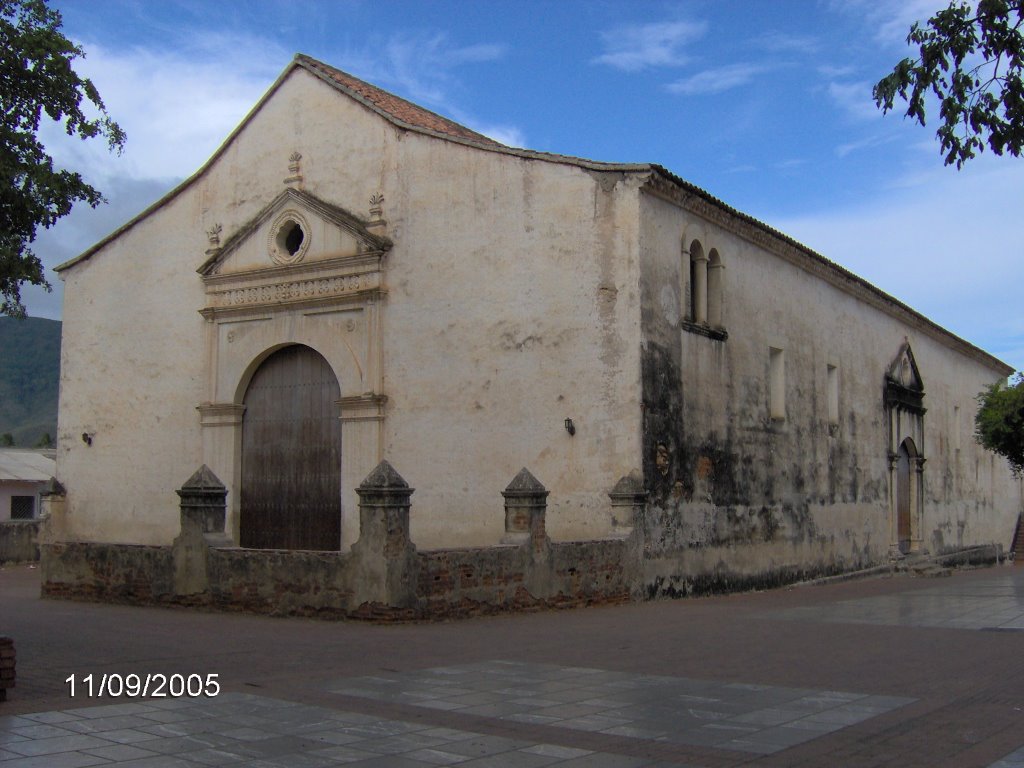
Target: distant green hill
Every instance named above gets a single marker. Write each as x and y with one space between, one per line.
29 376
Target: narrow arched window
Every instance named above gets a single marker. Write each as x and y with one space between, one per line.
716 272
698 283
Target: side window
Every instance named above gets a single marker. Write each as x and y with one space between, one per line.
698 283
23 507
714 289
777 384
832 394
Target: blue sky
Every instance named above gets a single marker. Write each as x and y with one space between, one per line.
764 103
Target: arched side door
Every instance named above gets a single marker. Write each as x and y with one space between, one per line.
904 496
291 454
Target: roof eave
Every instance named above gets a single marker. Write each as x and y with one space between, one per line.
929 326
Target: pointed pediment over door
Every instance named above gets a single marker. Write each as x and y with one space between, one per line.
903 384
299 250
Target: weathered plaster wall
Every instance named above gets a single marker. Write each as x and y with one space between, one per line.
761 495
511 305
135 358
19 541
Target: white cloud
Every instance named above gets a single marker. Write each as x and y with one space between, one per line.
854 99
941 245
780 42
418 64
509 135
890 20
716 80
179 103
831 71
632 48
421 67
175 106
871 141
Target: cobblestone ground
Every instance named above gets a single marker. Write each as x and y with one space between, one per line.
892 671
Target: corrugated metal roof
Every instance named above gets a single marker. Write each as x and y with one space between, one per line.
23 465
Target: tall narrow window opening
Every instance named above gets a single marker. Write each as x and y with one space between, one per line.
832 392
715 278
957 426
698 283
777 383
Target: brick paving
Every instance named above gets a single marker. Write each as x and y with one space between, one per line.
892 671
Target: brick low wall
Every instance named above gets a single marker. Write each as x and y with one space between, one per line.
19 541
107 572
385 578
448 583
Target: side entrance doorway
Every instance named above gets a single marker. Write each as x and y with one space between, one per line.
290 495
904 494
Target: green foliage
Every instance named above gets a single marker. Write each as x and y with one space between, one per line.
971 59
6 440
45 441
29 378
36 78
999 425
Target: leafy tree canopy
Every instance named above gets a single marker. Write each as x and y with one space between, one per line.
999 425
36 78
971 59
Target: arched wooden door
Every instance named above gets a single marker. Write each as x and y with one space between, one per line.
291 454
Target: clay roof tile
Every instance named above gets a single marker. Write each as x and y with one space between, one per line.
395 107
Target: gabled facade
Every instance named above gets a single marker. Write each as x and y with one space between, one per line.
352 278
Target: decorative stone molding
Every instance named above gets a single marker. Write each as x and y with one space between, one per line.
332 281
220 414
365 407
376 221
285 225
368 243
294 177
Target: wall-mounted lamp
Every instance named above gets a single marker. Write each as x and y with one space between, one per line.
87 438
570 427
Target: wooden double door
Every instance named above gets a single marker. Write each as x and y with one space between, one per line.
291 454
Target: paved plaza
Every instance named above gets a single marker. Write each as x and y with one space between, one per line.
886 671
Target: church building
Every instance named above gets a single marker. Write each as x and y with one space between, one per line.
352 278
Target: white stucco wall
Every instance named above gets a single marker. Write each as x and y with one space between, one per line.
511 294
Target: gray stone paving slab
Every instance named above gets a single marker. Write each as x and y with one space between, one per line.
1013 760
995 603
655 707
289 736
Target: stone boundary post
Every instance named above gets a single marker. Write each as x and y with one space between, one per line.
203 512
628 498
525 512
385 561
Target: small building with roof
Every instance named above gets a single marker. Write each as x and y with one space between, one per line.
352 277
25 476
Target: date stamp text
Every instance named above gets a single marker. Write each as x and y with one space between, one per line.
148 685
